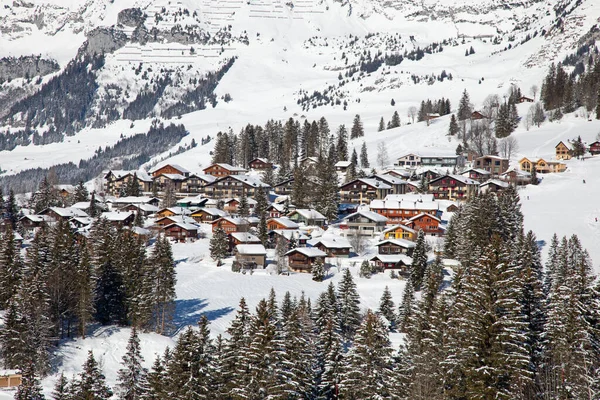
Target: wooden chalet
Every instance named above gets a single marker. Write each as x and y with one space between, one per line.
181 231
453 187
220 170
397 211
174 181
173 219
192 202
232 205
287 235
400 232
397 184
232 186
525 99
236 238
400 262
308 217
281 223
284 188
365 223
332 245
428 223
143 209
301 259
412 187
119 219
170 211
115 180
493 164
172 169
208 214
541 166
194 183
564 151
32 221
476 174
476 116
276 210
342 166
231 224
493 185
250 255
10 378
363 191
260 164
63 213
395 246
595 148
409 160
516 177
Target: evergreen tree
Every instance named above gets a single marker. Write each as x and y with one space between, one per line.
419 261
342 143
219 245
235 368
11 266
318 271
30 388
156 378
62 388
382 125
263 232
357 128
81 193
387 308
454 128
364 158
365 269
162 286
91 384
406 309
93 206
326 195
11 209
132 384
244 207
395 121
464 107
84 289
349 305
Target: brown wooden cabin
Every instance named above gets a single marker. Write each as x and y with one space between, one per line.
301 259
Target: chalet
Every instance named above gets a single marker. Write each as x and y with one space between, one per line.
309 162
81 222
412 187
398 185
299 237
342 166
493 164
525 99
236 238
32 221
365 223
493 185
220 170
194 183
428 223
260 164
251 255
141 233
397 211
10 378
281 223
400 232
476 174
453 187
115 180
431 116
363 190
516 177
301 259
392 261
595 148
230 224
442 161
409 160
276 210
171 169
308 217
170 211
476 115
143 209
395 246
181 231
234 186
85 205
232 205
428 173
192 202
332 245
116 202
174 181
208 214
119 219
564 151
284 188
60 213
398 173
541 166
173 219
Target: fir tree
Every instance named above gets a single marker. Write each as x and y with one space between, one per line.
81 193
357 128
419 261
243 207
162 285
453 129
387 308
318 271
382 125
349 305
132 384
156 379
395 121
11 209
342 143
263 232
11 266
464 107
30 388
219 245
91 384
365 269
61 389
406 309
364 158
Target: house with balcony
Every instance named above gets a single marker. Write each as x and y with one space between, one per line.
453 187
541 166
365 223
363 190
410 160
301 259
219 170
234 186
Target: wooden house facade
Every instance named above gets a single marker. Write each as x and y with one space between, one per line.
221 170
363 191
301 259
453 187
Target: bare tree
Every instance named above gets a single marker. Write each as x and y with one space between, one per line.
528 120
508 146
412 113
357 241
534 90
382 155
490 106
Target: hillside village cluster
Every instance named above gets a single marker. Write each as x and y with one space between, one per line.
389 208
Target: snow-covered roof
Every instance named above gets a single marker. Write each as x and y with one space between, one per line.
250 180
117 216
421 197
174 177
374 183
38 218
418 216
460 178
228 167
204 177
68 188
183 225
394 227
288 223
404 205
233 220
331 242
393 258
212 211
138 230
519 172
175 166
308 251
251 249
81 205
120 174
149 208
179 219
192 200
391 179
130 199
478 170
407 244
177 210
308 213
290 233
373 216
343 164
496 182
68 212
244 237
83 220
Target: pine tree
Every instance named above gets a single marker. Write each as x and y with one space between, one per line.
81 193
349 305
263 232
357 128
163 285
11 209
464 107
318 271
365 269
30 388
453 129
387 308
406 310
156 379
11 266
61 389
235 369
219 245
91 384
364 158
342 144
382 125
84 291
419 261
243 207
132 384
395 121
93 206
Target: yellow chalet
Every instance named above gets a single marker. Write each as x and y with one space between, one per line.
541 166
400 232
564 151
